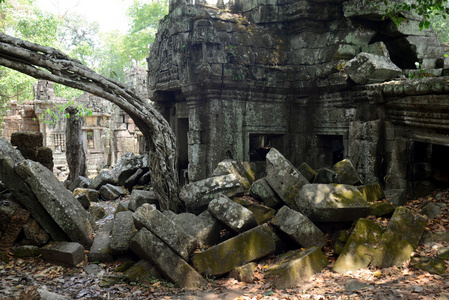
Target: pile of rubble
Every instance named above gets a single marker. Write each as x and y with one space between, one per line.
224 230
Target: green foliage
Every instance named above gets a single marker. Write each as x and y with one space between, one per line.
54 114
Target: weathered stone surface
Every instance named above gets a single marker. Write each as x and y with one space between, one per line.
148 246
197 195
372 191
346 173
139 197
79 182
204 228
101 247
283 177
91 194
145 178
262 190
294 266
431 265
360 248
244 273
246 247
231 214
123 230
27 139
12 216
400 238
245 171
307 171
26 251
396 196
9 157
381 209
112 192
142 271
432 210
325 176
57 201
174 236
133 179
97 212
83 200
339 240
34 233
299 228
67 253
331 203
371 68
122 206
127 165
262 213
104 177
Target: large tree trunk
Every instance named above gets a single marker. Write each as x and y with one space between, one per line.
51 64
75 155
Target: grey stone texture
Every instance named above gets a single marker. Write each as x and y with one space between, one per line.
165 229
396 196
104 177
245 171
91 194
123 230
101 247
204 228
79 182
332 203
346 173
67 253
127 166
237 251
148 246
139 197
112 192
307 171
299 228
262 190
372 192
197 195
231 214
68 213
325 175
294 266
371 68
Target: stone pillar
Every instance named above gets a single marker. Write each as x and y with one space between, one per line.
75 152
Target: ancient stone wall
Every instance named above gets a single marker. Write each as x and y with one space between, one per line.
303 76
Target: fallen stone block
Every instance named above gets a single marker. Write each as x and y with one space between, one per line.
104 177
370 68
396 196
34 233
142 271
197 195
83 200
204 228
127 165
123 205
66 253
9 157
307 171
133 179
79 182
68 213
294 266
123 230
432 210
237 251
101 247
13 217
283 177
231 214
346 173
381 209
148 246
112 192
372 192
139 197
299 228
244 273
325 176
245 171
430 264
400 239
91 194
174 236
262 190
261 213
145 178
360 248
97 212
26 251
332 203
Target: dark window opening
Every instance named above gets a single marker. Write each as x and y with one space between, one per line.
332 149
260 145
182 145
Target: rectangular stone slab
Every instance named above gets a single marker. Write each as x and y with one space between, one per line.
58 201
148 246
248 246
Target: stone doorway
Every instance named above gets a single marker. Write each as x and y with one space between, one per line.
260 145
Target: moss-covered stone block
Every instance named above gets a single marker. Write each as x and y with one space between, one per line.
360 247
262 213
372 191
400 238
346 173
26 251
431 265
245 171
142 271
244 273
339 240
262 190
294 266
307 171
246 247
381 209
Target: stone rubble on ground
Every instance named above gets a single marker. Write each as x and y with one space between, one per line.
220 233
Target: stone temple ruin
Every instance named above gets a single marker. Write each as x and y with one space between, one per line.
318 80
108 133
